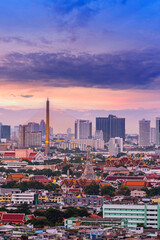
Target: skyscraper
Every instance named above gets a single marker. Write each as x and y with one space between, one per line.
5 132
158 130
144 133
111 126
27 138
83 129
153 136
43 127
47 128
24 136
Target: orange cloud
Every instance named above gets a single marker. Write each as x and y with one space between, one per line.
11 96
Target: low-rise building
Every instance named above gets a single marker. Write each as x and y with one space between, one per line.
149 215
112 222
90 200
25 197
136 193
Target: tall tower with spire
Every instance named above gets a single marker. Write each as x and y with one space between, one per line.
47 128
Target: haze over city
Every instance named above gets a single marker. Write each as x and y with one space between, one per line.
100 58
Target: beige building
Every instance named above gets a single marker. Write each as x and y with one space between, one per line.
136 193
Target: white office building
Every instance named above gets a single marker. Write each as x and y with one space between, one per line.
149 215
115 145
144 133
83 129
25 197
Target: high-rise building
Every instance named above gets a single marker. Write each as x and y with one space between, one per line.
153 136
43 127
111 126
0 129
35 139
34 127
15 133
5 132
24 136
83 129
27 138
99 134
144 133
115 145
158 130
47 142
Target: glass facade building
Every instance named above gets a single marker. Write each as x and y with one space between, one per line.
111 126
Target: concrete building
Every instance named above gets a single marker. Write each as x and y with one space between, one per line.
35 139
25 197
91 200
97 144
136 193
83 129
144 133
43 127
115 145
153 136
149 215
99 134
111 126
158 131
27 138
24 136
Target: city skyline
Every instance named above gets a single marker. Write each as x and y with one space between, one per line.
100 56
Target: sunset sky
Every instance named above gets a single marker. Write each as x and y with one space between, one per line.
90 57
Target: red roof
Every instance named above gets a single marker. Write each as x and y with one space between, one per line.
32 155
74 190
31 217
94 216
40 217
8 154
39 177
12 218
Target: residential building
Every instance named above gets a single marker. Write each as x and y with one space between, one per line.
89 200
35 139
83 129
144 133
28 138
95 221
111 126
94 143
149 215
115 146
136 193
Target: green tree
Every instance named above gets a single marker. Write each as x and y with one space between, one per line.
51 186
53 216
23 208
39 223
124 191
92 189
108 190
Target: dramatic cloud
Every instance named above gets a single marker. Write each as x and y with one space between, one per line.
125 70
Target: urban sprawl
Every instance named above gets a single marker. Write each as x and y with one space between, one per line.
80 185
